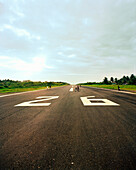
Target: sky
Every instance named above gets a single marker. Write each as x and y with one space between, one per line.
67 40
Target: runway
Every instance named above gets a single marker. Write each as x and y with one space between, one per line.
59 128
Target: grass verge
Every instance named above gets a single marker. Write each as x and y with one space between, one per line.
131 88
15 90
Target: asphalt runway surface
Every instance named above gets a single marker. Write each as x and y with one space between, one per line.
67 134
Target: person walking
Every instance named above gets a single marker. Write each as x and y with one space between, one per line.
75 88
78 88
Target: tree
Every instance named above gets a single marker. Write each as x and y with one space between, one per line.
132 79
124 80
132 76
105 81
127 78
116 80
112 79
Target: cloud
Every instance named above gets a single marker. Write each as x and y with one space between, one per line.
79 37
20 32
71 56
37 64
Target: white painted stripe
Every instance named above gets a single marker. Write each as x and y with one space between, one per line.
71 89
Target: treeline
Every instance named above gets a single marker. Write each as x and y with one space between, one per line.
123 81
27 84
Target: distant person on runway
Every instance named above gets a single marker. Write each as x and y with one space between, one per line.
78 88
75 88
118 88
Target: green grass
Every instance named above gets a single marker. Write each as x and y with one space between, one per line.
122 87
15 90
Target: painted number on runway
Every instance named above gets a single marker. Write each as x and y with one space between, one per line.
37 102
88 101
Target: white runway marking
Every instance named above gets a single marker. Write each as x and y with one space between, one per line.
71 89
34 102
97 102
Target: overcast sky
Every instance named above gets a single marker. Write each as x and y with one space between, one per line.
67 40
